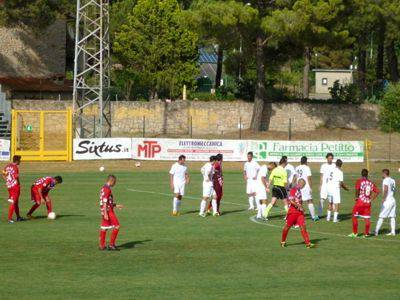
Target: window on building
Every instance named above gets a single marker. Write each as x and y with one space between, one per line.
324 81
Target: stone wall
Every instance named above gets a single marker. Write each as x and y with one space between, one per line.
26 54
218 118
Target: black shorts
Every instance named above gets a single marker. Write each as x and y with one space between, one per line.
279 192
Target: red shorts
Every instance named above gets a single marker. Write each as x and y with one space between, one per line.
295 218
111 222
13 193
362 210
35 195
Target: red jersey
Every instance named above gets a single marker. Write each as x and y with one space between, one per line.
217 177
106 197
295 196
12 175
365 187
45 184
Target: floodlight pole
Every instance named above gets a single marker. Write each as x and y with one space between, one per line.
91 97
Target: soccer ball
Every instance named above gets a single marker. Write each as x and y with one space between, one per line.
101 169
138 164
51 216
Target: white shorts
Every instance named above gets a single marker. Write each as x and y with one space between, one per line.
334 196
208 190
306 193
261 193
324 191
251 186
179 189
388 209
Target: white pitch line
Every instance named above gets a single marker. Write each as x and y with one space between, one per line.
188 197
253 219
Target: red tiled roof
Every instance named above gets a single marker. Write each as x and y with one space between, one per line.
25 84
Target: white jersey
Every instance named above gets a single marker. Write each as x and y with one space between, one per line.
263 172
207 172
303 172
336 177
290 170
179 172
391 184
251 168
326 171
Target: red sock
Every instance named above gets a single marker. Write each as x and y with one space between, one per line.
306 238
114 235
367 226
218 202
355 225
10 211
102 238
49 208
16 208
34 207
285 232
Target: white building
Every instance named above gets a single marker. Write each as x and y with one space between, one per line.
325 78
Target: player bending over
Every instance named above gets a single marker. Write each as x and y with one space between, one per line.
295 215
325 173
208 190
40 193
303 171
261 190
277 179
11 177
250 171
366 191
109 220
388 209
335 182
178 178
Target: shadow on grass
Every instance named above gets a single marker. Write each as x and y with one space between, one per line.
387 230
190 212
233 211
314 241
131 245
58 217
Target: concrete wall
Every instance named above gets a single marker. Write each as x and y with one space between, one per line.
331 76
218 118
26 54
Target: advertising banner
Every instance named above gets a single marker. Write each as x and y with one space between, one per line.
107 148
348 151
4 150
194 150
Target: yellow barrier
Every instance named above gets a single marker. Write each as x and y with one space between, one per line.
42 135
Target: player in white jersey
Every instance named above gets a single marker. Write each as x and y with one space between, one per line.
178 178
303 171
291 174
325 174
250 171
261 190
208 188
335 182
388 209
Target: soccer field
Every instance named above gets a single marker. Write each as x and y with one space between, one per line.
186 257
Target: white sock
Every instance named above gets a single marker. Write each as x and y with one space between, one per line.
321 206
311 210
203 205
214 206
393 225
378 225
258 204
328 215
262 208
335 216
251 202
177 204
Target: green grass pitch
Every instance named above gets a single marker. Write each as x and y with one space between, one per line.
186 257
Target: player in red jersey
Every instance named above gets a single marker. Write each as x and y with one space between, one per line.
11 177
218 183
366 192
295 215
108 218
40 193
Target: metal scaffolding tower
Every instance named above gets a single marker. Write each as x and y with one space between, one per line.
91 99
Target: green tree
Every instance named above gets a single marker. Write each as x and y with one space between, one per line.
155 44
390 109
